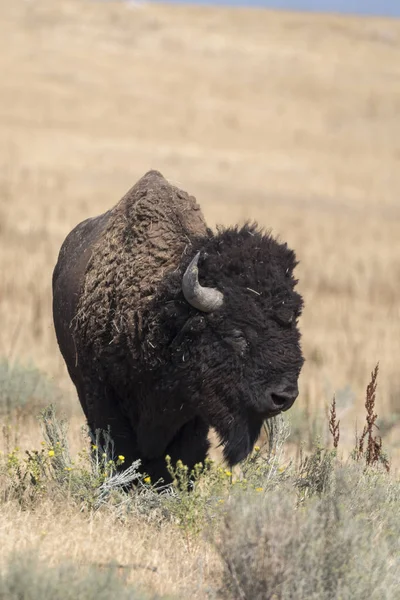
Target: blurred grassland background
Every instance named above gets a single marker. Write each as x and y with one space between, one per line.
289 119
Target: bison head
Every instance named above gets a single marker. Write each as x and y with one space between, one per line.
230 326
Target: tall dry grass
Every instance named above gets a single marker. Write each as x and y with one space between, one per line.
154 558
274 529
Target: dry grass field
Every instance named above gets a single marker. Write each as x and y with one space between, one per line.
288 119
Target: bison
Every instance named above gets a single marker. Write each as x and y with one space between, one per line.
168 328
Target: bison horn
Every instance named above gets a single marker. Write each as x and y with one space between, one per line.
203 298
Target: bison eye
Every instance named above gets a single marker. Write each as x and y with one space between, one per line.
238 341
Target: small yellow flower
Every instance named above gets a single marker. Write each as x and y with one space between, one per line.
43 443
228 473
67 468
94 447
121 458
256 448
51 453
104 455
147 479
259 489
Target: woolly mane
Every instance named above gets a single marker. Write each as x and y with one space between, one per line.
147 233
248 265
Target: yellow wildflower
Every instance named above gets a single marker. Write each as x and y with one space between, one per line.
259 489
104 455
147 479
228 473
51 453
121 458
94 447
256 448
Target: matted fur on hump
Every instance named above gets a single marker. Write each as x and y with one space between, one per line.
145 237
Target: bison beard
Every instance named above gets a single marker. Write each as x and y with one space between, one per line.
168 329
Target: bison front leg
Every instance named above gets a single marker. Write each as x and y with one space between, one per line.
190 445
103 412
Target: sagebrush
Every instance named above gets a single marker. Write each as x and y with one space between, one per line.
319 527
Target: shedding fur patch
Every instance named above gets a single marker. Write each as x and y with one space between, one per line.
147 233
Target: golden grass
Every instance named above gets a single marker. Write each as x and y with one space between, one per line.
153 558
290 119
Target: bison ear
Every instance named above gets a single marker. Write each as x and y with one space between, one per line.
203 298
194 324
197 324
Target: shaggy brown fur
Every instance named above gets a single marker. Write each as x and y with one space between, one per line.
146 235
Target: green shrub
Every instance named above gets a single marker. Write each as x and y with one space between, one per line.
24 388
25 578
91 480
341 543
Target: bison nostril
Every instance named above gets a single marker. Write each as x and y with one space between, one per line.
278 400
284 400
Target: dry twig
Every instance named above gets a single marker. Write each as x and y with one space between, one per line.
373 452
334 424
